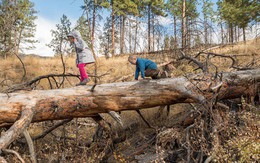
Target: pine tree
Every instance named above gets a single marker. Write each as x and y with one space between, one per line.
7 23
191 15
59 40
208 14
166 43
82 27
173 42
119 10
17 26
239 13
106 38
174 8
92 8
125 8
158 9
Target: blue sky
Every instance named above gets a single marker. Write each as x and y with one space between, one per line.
54 9
49 14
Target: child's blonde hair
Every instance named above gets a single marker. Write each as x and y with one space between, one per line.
132 58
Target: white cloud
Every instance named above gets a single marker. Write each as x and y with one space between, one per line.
43 35
165 21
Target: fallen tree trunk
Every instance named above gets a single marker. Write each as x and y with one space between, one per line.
80 102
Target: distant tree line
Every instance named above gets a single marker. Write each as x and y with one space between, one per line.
134 25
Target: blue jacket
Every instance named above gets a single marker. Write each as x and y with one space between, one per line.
143 64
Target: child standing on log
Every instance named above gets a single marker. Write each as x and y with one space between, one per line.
147 68
84 55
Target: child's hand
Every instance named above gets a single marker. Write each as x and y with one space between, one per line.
144 79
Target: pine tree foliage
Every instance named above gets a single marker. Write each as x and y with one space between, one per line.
82 26
124 7
174 7
106 37
17 26
208 19
240 12
59 40
166 43
25 26
157 6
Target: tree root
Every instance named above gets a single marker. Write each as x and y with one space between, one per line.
12 152
46 132
31 146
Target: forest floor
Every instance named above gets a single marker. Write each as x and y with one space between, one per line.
171 138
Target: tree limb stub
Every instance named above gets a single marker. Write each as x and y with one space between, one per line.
17 128
81 102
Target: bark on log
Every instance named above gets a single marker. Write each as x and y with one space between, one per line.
80 102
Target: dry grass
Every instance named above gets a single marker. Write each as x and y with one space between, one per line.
12 70
244 52
249 48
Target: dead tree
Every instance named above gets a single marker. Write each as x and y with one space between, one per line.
204 66
80 102
20 109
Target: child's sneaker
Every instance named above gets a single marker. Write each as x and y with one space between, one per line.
83 82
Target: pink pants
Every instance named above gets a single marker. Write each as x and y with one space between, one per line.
83 73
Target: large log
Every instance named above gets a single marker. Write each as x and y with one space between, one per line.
81 102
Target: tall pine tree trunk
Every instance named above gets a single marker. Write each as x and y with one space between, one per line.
113 28
130 37
222 33
153 32
136 29
175 32
236 34
93 25
183 27
188 33
205 31
231 33
122 39
244 34
149 28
